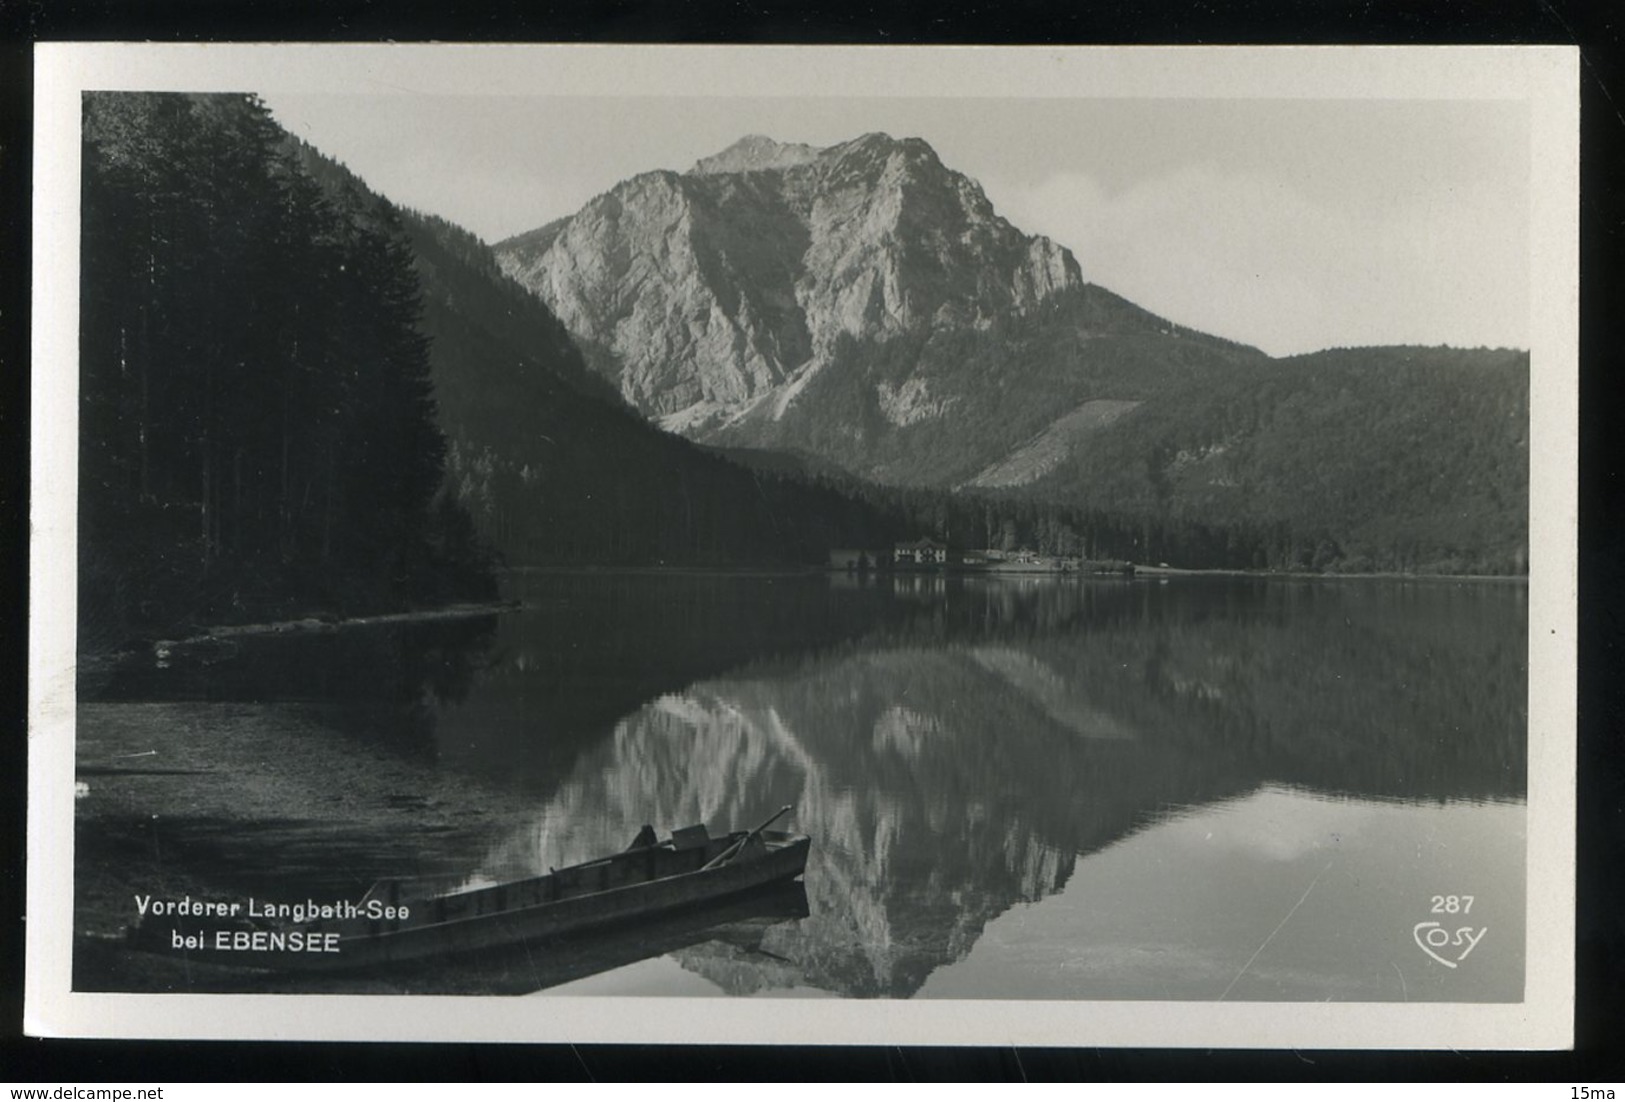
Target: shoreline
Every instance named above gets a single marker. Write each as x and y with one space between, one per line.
322 624
776 571
980 572
1306 575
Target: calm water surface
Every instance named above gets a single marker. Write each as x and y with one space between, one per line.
1042 788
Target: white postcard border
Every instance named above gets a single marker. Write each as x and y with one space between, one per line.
1545 77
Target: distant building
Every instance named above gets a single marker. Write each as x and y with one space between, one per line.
926 552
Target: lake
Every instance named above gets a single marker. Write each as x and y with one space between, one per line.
1197 788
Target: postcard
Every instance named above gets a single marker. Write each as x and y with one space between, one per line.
804 545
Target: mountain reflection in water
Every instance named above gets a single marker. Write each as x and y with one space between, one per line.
960 750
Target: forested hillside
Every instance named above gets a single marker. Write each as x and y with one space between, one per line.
1410 459
257 429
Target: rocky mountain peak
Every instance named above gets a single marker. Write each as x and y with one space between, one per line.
880 146
719 293
755 153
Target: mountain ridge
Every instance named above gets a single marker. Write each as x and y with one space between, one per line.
705 294
866 305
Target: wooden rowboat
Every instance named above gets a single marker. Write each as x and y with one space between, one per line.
651 878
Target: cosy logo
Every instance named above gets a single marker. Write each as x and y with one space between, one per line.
1442 944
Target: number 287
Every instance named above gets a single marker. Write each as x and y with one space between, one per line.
1452 904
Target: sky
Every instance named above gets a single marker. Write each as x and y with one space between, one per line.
1292 225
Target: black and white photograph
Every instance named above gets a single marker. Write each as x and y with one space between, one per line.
805 544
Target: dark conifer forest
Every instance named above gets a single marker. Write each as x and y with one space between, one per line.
258 431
